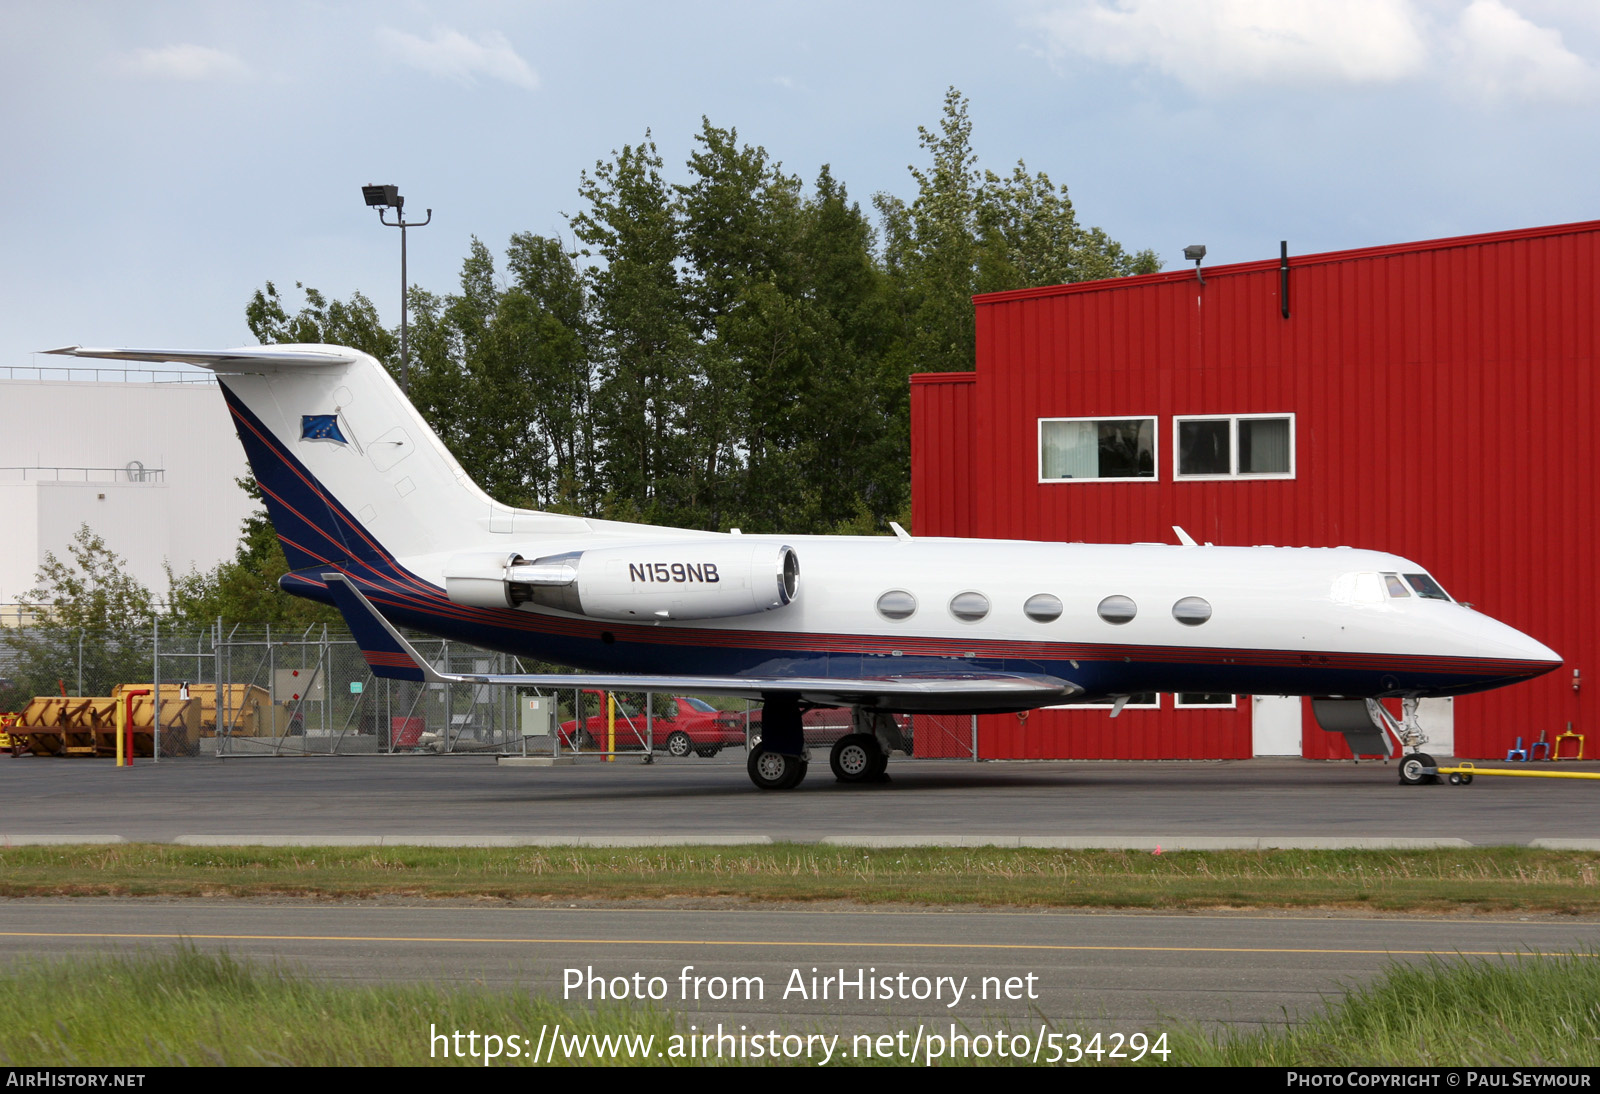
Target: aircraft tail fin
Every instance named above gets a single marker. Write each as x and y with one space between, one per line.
348 469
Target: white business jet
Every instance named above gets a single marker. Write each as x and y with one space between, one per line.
378 518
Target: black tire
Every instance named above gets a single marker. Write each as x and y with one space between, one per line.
774 770
678 744
855 758
1459 779
1411 773
585 739
708 751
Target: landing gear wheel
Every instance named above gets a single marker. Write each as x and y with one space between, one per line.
856 758
1459 779
678 744
774 770
1411 769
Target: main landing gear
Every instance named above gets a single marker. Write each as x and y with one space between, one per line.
780 760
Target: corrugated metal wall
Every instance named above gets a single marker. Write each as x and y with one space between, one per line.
1445 409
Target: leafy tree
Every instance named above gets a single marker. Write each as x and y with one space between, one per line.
352 323
968 232
645 378
89 595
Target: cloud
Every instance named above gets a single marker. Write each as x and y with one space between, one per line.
1209 46
187 61
454 56
1482 47
1501 54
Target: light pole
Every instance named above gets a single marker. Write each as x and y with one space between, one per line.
386 197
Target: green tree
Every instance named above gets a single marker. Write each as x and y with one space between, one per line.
86 601
968 232
644 340
352 323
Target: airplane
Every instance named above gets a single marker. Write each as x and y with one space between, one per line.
379 519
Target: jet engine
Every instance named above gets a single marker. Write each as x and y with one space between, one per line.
678 579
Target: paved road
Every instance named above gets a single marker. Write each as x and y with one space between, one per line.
469 799
1090 973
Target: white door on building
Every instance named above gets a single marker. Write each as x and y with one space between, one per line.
1275 725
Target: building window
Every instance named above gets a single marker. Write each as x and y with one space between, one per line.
1144 700
1193 699
1240 446
1096 449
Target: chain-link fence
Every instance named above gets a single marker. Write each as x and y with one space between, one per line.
270 692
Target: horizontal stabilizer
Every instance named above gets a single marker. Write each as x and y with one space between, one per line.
219 360
390 655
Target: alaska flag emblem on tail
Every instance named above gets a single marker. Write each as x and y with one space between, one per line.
321 427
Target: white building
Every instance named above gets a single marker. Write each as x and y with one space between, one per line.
147 459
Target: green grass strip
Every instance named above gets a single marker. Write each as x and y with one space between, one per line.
1505 879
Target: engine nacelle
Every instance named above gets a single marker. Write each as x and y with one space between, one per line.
680 579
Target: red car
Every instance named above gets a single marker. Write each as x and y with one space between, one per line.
685 726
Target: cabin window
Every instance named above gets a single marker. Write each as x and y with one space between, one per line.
897 604
1042 608
1427 587
1191 611
1236 446
1096 449
1118 609
1203 699
969 607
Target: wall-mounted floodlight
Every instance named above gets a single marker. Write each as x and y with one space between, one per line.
1194 253
388 197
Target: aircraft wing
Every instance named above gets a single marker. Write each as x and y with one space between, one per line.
389 655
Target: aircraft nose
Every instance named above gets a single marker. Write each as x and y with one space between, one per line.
1509 644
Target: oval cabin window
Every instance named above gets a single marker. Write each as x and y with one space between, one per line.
1042 608
897 604
1118 609
969 607
1191 611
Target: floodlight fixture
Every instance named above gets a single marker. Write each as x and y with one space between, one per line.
379 196
1194 253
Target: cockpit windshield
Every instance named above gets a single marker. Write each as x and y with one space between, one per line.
1427 587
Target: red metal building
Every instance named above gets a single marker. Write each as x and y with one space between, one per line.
1436 399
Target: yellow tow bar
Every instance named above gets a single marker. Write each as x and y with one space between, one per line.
1462 773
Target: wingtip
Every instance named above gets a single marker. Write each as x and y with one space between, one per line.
67 351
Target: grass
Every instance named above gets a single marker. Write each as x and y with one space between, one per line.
189 1008
1534 1010
1491 880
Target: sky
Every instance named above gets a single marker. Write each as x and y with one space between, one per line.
164 160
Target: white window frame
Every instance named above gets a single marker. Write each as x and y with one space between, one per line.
1179 704
1155 446
1234 473
1129 705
